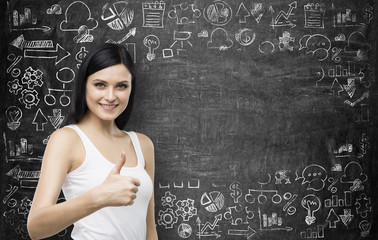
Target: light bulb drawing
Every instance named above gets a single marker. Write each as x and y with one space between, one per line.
13 114
152 43
312 204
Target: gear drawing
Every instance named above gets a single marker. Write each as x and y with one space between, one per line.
167 218
168 199
29 98
32 78
186 209
14 86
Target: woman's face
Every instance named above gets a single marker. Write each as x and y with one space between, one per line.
108 91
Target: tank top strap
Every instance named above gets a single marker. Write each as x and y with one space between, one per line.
138 149
84 139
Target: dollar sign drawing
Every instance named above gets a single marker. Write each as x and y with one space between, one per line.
368 13
81 55
364 143
236 192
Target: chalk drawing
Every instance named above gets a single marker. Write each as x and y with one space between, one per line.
13 115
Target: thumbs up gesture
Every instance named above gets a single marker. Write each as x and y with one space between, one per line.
118 190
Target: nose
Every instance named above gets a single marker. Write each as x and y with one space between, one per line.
110 96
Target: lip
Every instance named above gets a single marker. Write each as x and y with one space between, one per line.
108 107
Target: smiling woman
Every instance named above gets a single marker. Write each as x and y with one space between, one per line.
83 159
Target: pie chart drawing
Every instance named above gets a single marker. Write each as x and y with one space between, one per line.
184 230
213 201
218 13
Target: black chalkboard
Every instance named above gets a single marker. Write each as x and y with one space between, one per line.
263 113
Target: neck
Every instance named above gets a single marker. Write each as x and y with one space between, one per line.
95 124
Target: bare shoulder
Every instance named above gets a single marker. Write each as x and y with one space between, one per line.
65 136
65 142
145 142
148 151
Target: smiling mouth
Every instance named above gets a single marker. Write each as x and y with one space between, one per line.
108 106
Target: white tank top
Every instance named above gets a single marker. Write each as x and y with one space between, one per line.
116 223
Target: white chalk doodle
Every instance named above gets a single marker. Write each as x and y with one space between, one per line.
184 13
56 119
311 233
121 17
314 15
353 174
257 11
20 150
347 217
344 18
212 201
151 42
318 45
82 23
364 143
242 13
203 34
13 115
272 223
167 218
333 182
219 39
312 204
29 98
368 13
336 54
281 175
336 86
284 42
357 44
58 54
363 205
180 37
186 209
65 75
350 88
238 215
236 191
39 121
266 47
291 210
55 9
337 168
357 101
245 36
262 198
25 21
209 229
266 182
365 227
21 43
32 78
25 177
282 19
168 199
80 55
321 74
218 13
153 14
11 192
131 32
336 201
15 72
184 230
332 219
248 233
314 175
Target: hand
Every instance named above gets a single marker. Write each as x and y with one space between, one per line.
118 190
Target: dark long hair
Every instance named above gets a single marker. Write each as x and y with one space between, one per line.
102 56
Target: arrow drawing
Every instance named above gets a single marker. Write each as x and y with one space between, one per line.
43 28
352 104
39 120
248 232
202 231
285 15
59 53
18 174
21 43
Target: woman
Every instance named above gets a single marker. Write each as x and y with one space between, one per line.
106 174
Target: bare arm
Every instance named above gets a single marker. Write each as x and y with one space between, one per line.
47 218
149 157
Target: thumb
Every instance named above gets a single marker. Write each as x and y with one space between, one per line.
117 168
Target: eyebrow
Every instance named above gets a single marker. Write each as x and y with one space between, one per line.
100 80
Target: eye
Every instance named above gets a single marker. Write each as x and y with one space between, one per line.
100 85
122 86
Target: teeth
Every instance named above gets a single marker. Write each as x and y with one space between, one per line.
108 106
